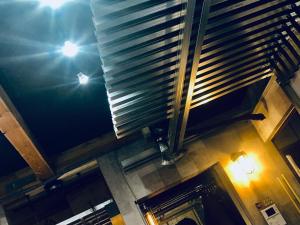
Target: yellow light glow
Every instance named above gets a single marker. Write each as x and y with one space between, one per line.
246 164
151 219
244 169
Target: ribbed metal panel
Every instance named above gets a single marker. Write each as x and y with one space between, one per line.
140 44
230 57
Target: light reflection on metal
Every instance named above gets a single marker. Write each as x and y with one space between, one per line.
151 219
86 213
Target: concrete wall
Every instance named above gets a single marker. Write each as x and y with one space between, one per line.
126 188
295 83
120 189
276 106
295 90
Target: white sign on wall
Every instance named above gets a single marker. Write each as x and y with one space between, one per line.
273 216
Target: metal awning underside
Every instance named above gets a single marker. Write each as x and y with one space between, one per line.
141 43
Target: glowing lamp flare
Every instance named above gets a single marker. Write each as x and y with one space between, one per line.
244 168
70 49
83 79
244 162
54 4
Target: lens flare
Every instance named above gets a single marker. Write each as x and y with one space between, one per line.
83 79
70 49
54 4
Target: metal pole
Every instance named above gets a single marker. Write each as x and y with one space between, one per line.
178 123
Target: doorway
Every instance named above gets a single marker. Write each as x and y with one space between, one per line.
287 141
203 199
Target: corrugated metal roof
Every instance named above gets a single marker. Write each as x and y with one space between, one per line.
141 42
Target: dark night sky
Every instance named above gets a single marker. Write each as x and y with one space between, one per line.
43 84
10 160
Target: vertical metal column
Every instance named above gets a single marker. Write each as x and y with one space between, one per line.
178 123
187 31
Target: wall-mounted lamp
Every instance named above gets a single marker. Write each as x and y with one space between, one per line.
151 220
244 168
244 162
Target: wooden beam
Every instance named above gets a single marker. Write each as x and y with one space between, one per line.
14 129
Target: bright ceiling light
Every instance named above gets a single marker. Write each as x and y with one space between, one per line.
70 49
54 4
83 79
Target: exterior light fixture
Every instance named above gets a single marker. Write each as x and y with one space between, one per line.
83 79
244 162
244 168
54 4
70 49
151 219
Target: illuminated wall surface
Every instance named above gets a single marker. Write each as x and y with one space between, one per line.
254 176
245 169
252 188
295 83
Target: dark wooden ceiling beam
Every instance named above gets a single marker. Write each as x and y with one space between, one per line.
16 132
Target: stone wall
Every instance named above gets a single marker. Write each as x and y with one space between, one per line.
201 154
